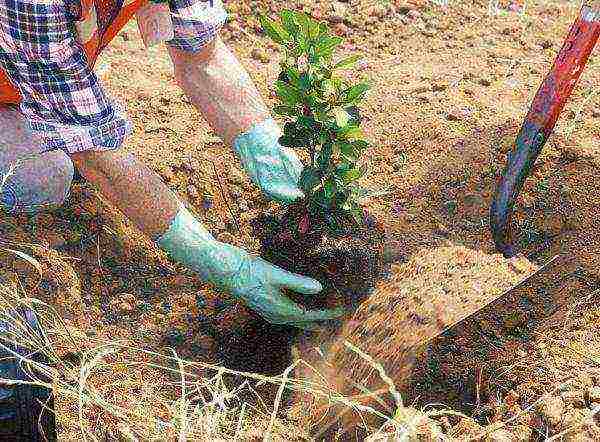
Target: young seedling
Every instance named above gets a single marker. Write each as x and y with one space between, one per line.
327 235
320 108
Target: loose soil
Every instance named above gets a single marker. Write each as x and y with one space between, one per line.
451 86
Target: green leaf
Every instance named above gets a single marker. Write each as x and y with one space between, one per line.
323 29
356 92
351 175
329 188
308 26
327 45
288 19
293 75
357 214
325 155
341 117
274 30
347 62
348 150
351 133
288 111
304 81
360 145
354 113
288 94
307 122
308 179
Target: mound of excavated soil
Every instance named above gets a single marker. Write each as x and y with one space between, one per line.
433 290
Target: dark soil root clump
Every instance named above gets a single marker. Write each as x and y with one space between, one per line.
347 264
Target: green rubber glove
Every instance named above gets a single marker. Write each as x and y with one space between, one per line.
233 270
274 168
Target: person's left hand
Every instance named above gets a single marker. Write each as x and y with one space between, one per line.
274 168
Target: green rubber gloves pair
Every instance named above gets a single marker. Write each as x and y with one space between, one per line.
276 170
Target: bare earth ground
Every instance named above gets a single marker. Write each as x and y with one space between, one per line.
450 88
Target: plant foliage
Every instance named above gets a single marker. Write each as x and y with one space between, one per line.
320 108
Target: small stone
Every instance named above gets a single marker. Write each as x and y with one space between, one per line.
123 304
553 223
512 397
243 205
174 337
167 173
128 303
551 410
207 202
317 14
424 427
579 426
414 14
260 55
54 239
596 112
338 12
203 344
341 30
453 115
125 308
439 86
378 11
473 200
200 301
450 208
573 419
546 44
361 65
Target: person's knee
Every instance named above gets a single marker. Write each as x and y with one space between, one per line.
29 180
38 183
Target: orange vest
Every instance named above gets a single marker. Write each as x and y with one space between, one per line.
93 36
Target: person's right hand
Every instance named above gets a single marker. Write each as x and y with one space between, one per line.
260 284
256 281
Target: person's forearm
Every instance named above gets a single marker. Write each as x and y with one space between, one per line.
220 88
131 187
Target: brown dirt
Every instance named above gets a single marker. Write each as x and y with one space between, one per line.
451 86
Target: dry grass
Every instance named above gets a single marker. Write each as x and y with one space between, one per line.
179 399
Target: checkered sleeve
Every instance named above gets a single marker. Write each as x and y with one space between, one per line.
196 23
62 98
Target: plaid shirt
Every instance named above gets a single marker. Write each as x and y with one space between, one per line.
62 98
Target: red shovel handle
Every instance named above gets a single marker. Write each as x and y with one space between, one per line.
540 121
